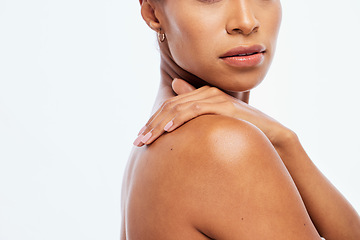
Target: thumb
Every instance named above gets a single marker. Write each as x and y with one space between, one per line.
181 86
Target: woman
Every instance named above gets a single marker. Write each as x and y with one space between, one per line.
226 170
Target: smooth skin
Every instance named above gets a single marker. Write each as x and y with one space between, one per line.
225 170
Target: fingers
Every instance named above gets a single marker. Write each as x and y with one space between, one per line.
168 104
178 115
180 86
193 110
182 113
182 108
191 103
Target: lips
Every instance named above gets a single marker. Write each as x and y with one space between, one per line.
244 51
244 56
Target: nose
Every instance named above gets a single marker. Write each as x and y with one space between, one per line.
241 18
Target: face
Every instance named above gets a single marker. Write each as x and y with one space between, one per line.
227 43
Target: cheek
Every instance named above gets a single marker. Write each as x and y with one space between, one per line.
271 23
191 39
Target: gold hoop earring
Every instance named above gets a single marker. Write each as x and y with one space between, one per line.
161 37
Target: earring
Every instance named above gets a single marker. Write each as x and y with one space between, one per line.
161 36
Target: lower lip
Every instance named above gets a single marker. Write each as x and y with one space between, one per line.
245 61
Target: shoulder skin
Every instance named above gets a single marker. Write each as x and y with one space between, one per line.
223 177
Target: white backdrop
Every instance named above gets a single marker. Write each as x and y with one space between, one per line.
77 82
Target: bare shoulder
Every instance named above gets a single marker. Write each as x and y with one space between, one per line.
223 177
215 137
209 145
214 177
213 151
216 130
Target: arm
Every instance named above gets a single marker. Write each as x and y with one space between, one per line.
330 212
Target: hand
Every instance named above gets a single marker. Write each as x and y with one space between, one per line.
191 103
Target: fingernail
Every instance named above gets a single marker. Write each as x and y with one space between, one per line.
146 137
138 140
142 130
168 125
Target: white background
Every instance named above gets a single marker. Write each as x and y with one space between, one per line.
77 82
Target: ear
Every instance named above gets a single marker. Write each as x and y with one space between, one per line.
148 14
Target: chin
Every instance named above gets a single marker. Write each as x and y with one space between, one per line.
232 79
242 88
238 84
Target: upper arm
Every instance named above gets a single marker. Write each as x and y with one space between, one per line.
234 184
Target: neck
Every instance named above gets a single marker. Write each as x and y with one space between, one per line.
170 70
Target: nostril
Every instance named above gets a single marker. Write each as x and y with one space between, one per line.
237 30
246 32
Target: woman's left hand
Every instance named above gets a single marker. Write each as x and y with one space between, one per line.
191 103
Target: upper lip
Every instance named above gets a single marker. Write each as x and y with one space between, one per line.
244 50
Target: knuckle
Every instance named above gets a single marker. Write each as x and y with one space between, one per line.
214 90
167 105
196 107
177 108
